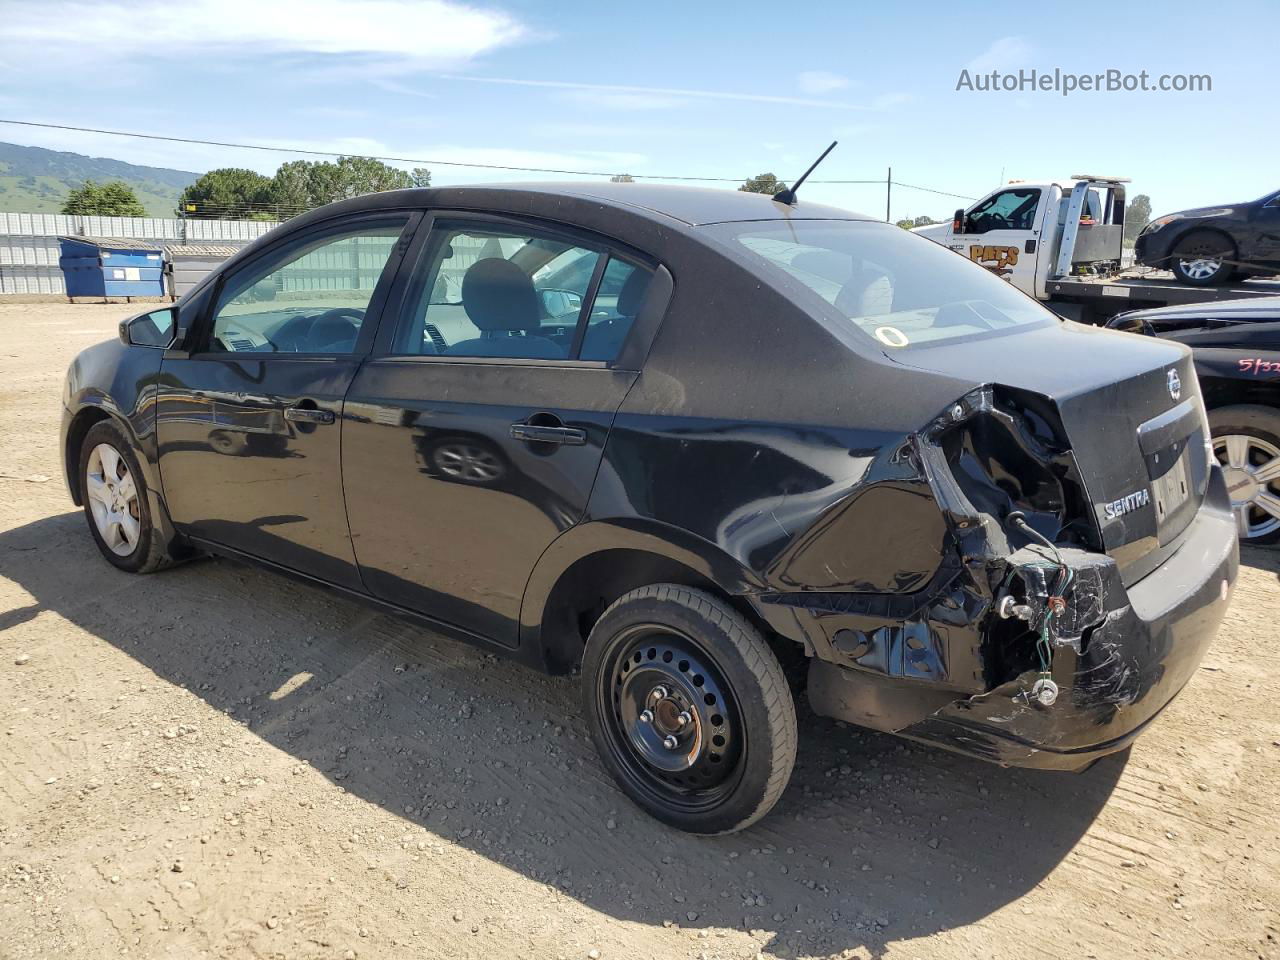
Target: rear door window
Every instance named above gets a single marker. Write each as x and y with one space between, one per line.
509 293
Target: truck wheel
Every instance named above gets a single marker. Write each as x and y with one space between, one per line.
115 502
1203 259
1246 441
689 709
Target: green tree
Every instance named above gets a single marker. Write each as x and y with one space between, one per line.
303 184
622 178
1136 216
291 186
420 176
114 199
227 193
920 221
765 183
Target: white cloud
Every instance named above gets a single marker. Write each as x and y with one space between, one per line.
622 100
415 33
853 130
821 81
646 95
1007 53
887 101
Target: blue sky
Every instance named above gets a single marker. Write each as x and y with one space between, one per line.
697 89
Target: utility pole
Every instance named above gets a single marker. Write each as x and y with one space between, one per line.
888 195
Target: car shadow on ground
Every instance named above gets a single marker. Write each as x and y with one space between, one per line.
1262 558
876 840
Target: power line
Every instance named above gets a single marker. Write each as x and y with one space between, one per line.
366 156
944 193
434 163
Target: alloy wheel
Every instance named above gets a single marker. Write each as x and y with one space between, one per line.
113 499
466 461
1200 268
1251 467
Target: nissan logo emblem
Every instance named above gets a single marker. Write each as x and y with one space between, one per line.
1175 386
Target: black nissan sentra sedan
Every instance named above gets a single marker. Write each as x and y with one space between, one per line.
679 439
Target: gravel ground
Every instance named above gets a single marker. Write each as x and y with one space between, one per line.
219 762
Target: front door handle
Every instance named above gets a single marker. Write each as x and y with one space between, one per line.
538 433
308 415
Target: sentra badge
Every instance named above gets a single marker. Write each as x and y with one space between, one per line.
1118 508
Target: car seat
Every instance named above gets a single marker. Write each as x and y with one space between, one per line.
500 299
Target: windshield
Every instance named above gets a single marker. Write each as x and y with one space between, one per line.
901 290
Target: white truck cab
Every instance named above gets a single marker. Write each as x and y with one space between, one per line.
1033 233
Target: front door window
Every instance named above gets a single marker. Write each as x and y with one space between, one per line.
310 299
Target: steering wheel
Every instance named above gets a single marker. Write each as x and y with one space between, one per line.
299 333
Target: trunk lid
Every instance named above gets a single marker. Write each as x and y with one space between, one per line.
1132 413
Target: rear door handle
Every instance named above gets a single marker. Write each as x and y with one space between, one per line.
528 431
308 415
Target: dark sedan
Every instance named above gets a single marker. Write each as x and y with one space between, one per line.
679 439
1215 245
1236 348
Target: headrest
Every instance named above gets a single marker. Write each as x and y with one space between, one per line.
827 264
632 293
498 295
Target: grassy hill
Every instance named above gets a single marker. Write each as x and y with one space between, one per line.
36 180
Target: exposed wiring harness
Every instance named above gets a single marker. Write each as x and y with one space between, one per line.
1055 604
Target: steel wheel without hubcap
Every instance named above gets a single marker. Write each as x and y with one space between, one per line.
670 719
1251 468
113 499
466 461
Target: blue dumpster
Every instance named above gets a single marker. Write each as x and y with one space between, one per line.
111 267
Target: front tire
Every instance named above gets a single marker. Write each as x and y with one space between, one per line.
1246 441
1203 259
116 504
689 709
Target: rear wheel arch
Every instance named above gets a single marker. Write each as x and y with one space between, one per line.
582 573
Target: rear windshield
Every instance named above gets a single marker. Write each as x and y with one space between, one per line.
901 290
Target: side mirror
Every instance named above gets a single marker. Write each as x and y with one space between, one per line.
155 329
957 221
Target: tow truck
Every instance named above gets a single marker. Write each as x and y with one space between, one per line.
1062 242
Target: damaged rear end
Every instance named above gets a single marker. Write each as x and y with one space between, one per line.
1088 560
1082 538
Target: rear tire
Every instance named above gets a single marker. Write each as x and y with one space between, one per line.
116 504
1203 259
1246 440
689 709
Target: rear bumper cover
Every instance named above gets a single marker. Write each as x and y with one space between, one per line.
1133 663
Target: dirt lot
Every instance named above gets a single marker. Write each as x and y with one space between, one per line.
218 762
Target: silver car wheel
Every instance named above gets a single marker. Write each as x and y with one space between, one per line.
1200 268
113 499
1251 467
465 461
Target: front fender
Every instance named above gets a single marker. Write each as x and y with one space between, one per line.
112 380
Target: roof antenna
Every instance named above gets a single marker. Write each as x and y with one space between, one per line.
789 196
